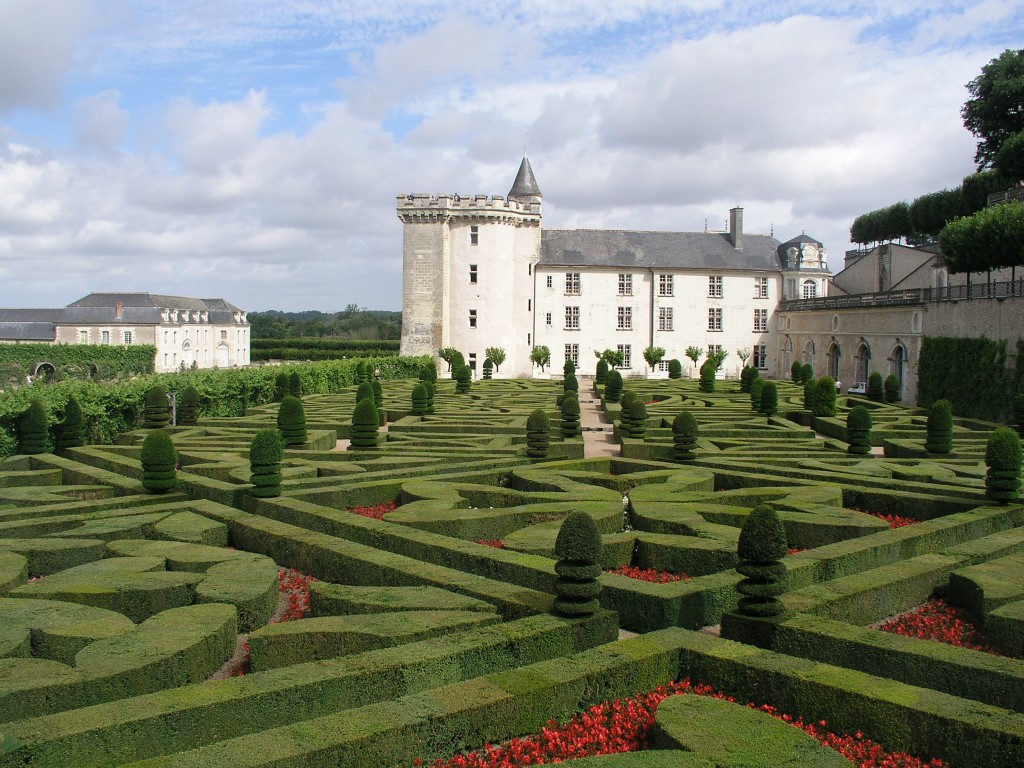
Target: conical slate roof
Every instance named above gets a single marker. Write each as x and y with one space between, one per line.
525 184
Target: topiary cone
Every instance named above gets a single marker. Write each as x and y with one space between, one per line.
570 410
538 434
1003 459
939 428
158 462
32 428
578 548
858 431
70 433
684 436
156 412
365 425
291 421
762 545
188 407
265 454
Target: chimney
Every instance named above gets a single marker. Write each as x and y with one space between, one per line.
736 227
118 310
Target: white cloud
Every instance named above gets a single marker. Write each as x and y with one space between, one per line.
99 121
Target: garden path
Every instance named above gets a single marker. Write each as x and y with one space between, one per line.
598 437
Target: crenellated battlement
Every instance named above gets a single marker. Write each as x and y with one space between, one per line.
424 207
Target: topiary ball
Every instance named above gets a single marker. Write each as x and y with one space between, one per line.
158 462
32 428
291 421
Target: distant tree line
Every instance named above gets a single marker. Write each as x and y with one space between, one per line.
353 322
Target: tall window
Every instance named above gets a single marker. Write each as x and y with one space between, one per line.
715 285
715 319
572 352
791 288
572 318
714 349
626 350
810 289
472 318
625 284
83 337
104 337
665 285
625 319
127 337
760 287
472 273
550 281
547 317
474 235
572 283
664 318
760 320
760 356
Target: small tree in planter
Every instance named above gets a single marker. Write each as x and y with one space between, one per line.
365 423
694 353
419 399
541 356
280 386
769 398
939 434
796 372
32 428
156 411
1003 459
806 372
825 397
756 388
762 545
496 355
601 372
265 454
463 379
570 410
653 356
578 548
892 388
858 431
188 407
876 390
570 384
447 354
707 376
684 437
295 384
158 462
70 433
291 421
538 434
675 369
488 369
613 386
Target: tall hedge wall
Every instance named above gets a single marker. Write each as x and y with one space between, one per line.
321 348
76 361
971 373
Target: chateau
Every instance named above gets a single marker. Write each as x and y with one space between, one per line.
481 271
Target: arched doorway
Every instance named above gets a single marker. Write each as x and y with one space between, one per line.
188 355
223 356
862 362
899 364
832 360
809 352
787 354
44 372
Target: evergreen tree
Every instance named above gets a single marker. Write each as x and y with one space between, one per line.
419 399
291 421
601 373
156 412
876 390
684 436
825 397
570 409
756 388
378 400
295 384
939 428
637 429
265 454
1003 459
892 388
762 545
569 383
70 433
361 374
806 372
431 390
158 462
810 390
429 372
858 431
365 424
32 428
769 398
188 407
280 386
578 549
796 372
569 368
463 379
538 434
675 369
488 368
364 391
707 376
613 386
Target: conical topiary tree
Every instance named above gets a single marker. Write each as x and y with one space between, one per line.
538 434
939 430
419 399
707 376
762 545
70 433
364 390
265 454
613 386
488 368
747 375
429 372
156 410
431 390
569 367
463 376
876 387
858 431
280 386
684 437
601 372
365 424
769 398
675 369
291 421
824 397
378 400
892 388
295 384
578 549
158 462
570 409
625 400
796 374
756 387
809 394
1003 459
188 407
806 372
361 374
637 429
32 428
570 384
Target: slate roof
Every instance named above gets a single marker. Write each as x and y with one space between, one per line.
15 331
152 300
525 184
667 250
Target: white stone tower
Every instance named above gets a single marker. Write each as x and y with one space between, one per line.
468 273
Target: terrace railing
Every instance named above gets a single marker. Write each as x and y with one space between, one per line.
974 291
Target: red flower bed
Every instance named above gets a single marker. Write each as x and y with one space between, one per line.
496 543
895 521
648 574
377 511
937 620
626 725
795 550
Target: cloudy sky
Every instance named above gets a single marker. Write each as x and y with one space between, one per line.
253 149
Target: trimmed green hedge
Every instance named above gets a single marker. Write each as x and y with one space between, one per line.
971 373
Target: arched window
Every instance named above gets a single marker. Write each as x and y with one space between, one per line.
862 362
809 352
899 364
833 360
883 280
810 289
787 354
